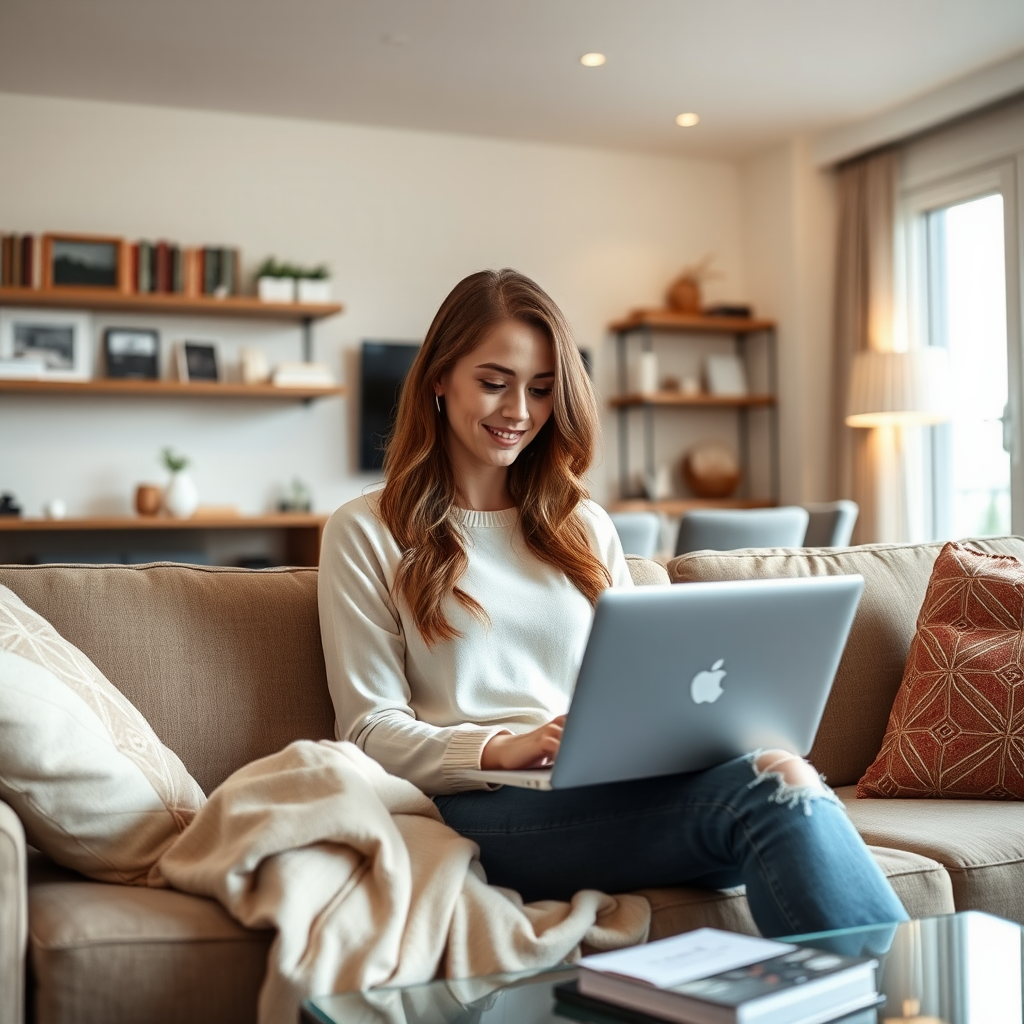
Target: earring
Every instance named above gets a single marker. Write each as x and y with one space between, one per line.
437 402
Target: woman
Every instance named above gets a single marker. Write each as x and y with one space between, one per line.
455 605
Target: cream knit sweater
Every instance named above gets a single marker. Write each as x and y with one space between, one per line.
425 713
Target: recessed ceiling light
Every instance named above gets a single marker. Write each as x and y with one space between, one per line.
592 60
687 120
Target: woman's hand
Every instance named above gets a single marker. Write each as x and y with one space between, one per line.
534 749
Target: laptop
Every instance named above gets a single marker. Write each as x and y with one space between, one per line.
682 677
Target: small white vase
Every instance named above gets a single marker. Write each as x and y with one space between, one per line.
181 498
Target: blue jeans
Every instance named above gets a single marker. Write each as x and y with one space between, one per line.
805 867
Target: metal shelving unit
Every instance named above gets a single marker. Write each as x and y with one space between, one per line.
642 325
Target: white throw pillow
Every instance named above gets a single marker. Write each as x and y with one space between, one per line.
93 785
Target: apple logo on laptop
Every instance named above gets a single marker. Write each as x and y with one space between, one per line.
706 687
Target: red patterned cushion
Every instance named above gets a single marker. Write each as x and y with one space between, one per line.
957 725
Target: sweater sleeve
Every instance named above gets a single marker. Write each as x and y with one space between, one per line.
364 651
607 546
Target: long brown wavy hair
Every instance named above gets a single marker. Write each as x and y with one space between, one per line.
419 501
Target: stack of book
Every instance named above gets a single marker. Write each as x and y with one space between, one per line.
167 268
19 261
302 375
714 977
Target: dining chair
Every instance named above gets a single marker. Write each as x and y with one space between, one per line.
724 529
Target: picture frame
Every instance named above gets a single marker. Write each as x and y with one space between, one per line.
46 344
726 375
198 361
131 353
100 262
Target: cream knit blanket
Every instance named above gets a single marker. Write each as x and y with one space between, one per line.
366 886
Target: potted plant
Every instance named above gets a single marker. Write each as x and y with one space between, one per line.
181 498
314 284
275 282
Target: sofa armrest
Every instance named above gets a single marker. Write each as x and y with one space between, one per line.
13 917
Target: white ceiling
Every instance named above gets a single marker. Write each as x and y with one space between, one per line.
757 71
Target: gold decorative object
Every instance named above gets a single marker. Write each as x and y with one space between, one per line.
711 469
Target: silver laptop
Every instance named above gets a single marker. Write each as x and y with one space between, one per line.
682 677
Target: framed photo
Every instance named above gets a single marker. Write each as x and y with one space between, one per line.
49 344
725 375
86 261
198 360
131 353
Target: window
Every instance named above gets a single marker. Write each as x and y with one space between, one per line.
957 245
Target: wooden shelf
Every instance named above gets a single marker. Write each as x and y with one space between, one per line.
274 520
302 530
168 389
697 400
669 320
678 506
244 306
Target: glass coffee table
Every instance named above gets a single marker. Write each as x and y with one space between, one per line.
958 969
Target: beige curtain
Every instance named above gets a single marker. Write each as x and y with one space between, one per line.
867 460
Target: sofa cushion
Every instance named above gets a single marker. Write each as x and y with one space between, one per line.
980 843
645 571
225 664
121 955
955 726
895 579
92 784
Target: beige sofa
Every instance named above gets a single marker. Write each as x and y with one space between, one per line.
226 664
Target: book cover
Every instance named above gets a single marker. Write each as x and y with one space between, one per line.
163 268
145 275
15 261
211 270
574 1005
192 272
27 259
709 976
177 270
6 244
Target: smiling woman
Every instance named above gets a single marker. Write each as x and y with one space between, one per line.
455 606
496 399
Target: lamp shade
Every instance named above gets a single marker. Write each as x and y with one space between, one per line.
900 388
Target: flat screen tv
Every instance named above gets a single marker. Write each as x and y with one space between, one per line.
383 368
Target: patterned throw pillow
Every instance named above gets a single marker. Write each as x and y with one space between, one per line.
957 725
93 785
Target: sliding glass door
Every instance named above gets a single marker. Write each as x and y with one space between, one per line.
961 236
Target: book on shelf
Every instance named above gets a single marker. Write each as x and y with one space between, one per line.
302 375
20 261
709 976
167 268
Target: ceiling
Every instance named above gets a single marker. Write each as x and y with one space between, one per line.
757 71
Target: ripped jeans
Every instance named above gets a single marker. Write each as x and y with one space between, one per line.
805 867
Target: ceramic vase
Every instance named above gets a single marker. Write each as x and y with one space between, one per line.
181 498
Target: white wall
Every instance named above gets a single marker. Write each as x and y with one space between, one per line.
399 216
789 224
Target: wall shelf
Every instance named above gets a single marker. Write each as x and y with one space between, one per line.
242 306
302 530
168 389
669 320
